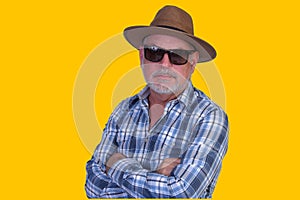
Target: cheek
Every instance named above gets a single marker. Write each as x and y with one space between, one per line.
184 73
146 73
148 70
149 67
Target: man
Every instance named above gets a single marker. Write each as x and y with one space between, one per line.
169 140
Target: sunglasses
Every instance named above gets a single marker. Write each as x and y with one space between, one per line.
176 56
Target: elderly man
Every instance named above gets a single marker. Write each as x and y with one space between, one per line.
169 140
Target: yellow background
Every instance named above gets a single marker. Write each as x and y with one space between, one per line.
44 43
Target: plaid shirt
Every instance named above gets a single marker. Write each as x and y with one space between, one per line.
191 128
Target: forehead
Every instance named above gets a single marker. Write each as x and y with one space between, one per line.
167 42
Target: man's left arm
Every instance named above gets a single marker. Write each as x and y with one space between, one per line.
199 166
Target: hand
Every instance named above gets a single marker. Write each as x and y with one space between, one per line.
167 166
113 159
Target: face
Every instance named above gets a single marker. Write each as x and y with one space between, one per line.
163 76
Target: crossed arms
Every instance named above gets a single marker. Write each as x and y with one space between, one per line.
111 174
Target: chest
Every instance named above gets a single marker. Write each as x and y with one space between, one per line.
169 137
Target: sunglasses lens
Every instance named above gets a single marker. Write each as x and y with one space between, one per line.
154 54
178 57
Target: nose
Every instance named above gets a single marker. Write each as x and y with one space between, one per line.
166 61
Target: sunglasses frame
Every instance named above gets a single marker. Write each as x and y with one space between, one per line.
172 54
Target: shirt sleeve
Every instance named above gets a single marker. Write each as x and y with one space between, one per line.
98 183
200 165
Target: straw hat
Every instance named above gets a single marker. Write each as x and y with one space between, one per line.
173 21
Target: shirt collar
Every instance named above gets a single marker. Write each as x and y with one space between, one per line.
186 97
144 93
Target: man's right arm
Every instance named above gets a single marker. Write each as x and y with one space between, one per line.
98 183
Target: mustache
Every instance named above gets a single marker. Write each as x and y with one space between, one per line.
165 72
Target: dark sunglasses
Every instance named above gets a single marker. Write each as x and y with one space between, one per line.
176 56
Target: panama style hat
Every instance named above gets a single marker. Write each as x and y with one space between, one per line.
173 21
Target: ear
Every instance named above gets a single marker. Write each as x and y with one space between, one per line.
194 59
141 53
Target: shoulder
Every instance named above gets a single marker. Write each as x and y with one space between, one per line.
126 105
209 114
204 105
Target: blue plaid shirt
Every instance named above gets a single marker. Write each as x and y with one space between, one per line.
191 128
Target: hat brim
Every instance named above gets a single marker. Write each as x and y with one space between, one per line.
136 34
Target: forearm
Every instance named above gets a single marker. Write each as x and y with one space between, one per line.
99 185
141 183
96 179
197 172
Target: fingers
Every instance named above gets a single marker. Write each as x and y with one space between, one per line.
113 159
167 166
177 160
